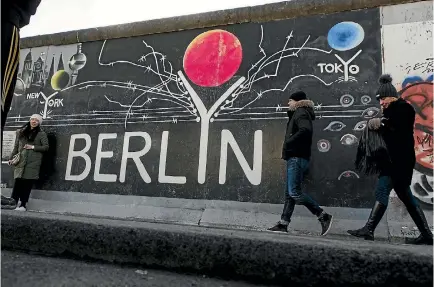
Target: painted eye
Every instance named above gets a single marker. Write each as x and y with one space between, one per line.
348 174
346 101
360 126
349 140
335 126
370 112
323 145
365 99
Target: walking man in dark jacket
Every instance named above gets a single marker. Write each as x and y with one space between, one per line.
297 151
15 14
396 128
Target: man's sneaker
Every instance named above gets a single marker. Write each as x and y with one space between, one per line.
21 208
326 223
8 202
279 227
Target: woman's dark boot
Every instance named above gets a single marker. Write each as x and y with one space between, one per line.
426 236
367 232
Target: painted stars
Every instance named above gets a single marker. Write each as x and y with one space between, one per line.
290 36
142 59
318 107
130 114
278 108
131 86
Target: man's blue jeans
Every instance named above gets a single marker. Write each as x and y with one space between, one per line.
385 186
297 168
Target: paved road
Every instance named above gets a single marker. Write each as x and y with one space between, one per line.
19 269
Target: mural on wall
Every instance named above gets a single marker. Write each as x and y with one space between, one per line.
413 77
42 75
220 94
419 94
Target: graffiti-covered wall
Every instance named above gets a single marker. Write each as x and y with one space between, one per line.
408 56
202 113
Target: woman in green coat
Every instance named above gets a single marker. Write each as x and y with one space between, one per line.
31 142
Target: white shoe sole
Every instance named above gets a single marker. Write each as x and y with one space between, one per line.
330 226
275 231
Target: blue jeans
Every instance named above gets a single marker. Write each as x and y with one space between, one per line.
385 186
297 168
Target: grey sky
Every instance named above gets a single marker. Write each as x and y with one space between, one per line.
55 16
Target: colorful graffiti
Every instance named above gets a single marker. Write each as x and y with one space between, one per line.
201 112
420 94
408 57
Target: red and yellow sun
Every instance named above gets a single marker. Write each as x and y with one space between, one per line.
213 58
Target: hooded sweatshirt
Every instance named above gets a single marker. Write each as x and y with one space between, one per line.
18 12
299 130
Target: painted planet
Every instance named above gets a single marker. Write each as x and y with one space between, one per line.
77 61
59 80
345 36
212 58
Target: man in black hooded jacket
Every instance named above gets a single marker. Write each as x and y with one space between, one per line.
297 151
396 128
15 15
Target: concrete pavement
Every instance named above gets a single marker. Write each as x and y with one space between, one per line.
216 213
274 258
25 270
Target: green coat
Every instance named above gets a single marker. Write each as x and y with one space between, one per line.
30 159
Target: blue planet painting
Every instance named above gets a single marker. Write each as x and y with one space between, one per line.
345 36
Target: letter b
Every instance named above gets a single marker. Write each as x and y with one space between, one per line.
81 153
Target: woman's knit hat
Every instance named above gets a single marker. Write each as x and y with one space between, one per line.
386 88
38 117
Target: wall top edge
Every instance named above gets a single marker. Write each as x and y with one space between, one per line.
261 13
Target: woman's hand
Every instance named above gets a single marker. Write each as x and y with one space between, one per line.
27 146
9 162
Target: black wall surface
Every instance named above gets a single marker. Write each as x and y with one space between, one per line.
132 85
